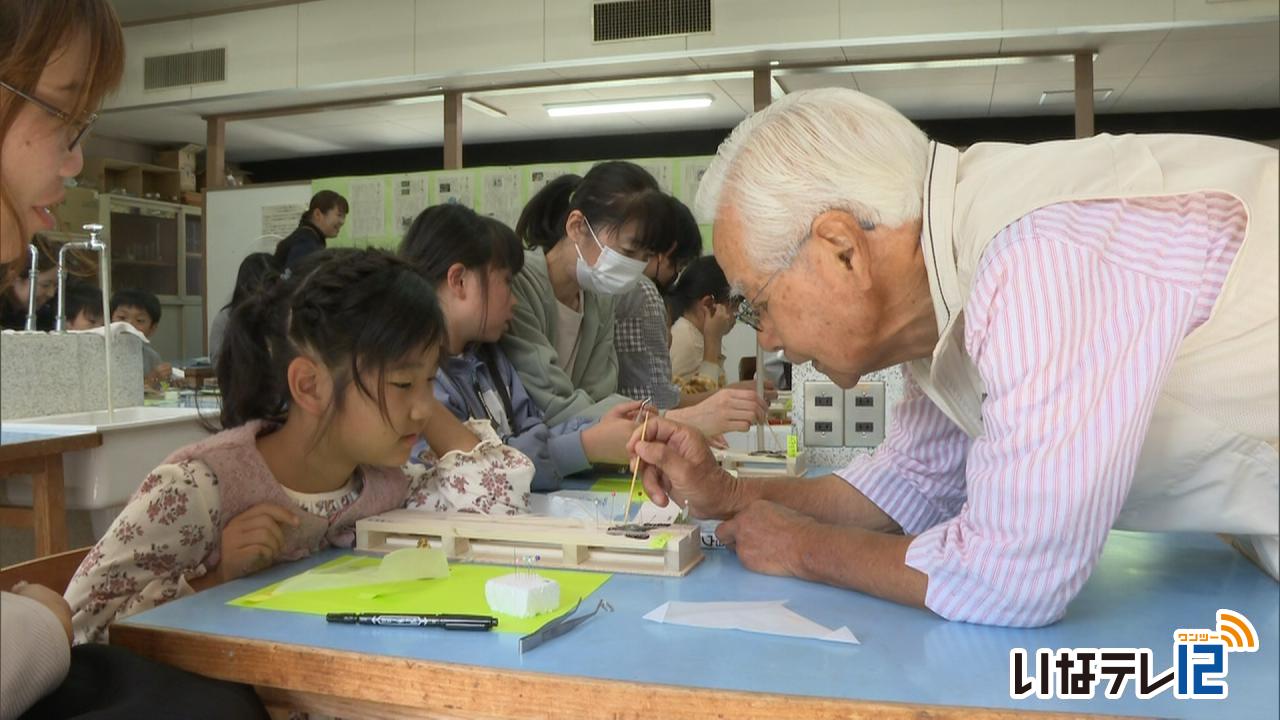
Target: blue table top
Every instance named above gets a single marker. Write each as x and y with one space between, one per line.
16 437
1146 586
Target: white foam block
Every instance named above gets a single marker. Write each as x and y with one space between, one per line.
522 595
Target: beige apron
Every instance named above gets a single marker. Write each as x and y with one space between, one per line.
1209 462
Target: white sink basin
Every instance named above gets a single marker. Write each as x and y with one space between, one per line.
134 442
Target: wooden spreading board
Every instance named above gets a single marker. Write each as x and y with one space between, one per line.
567 543
744 463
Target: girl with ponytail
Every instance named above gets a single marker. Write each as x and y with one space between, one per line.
327 382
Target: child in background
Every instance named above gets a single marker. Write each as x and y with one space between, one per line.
13 302
641 329
470 260
256 270
83 306
699 303
325 393
141 309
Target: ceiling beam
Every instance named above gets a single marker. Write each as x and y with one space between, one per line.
1084 95
570 84
761 88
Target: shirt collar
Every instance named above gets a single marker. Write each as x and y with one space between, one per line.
936 233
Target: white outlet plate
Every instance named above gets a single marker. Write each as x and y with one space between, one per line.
823 415
863 414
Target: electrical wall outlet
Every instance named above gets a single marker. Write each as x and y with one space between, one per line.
863 414
823 415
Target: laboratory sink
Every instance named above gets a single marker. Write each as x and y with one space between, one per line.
134 441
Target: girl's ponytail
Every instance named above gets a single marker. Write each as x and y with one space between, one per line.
541 223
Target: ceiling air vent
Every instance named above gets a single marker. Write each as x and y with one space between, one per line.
189 68
634 19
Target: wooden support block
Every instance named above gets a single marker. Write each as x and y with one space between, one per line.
575 554
559 542
745 463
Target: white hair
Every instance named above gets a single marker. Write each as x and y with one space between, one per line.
810 152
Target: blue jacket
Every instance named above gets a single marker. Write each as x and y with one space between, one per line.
465 384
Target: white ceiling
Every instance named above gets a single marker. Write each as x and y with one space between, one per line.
1205 68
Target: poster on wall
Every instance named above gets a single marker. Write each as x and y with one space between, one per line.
409 199
660 170
368 217
453 187
691 172
281 219
500 195
540 175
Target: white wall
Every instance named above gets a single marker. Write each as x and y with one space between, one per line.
233 217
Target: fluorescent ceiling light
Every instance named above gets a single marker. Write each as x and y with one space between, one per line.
603 107
420 100
482 107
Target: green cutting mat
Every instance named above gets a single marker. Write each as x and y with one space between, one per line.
620 485
461 592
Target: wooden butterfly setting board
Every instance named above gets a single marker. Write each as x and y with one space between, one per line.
568 543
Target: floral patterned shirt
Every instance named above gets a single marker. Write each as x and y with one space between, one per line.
162 539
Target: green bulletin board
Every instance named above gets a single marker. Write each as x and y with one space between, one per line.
382 206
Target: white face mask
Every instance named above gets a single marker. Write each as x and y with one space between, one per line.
613 273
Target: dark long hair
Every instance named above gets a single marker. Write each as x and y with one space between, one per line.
611 195
686 235
257 269
443 235
357 311
703 278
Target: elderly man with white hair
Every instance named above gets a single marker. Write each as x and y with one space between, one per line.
1087 328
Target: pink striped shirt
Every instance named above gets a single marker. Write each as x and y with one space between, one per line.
1075 316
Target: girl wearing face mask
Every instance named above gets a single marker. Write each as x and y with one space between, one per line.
589 239
470 260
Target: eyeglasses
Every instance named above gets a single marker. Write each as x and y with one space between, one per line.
748 311
78 126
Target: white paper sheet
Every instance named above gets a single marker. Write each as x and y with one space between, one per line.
501 195
454 188
660 170
693 170
281 219
368 216
409 200
540 176
770 617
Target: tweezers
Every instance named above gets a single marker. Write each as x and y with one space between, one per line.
560 626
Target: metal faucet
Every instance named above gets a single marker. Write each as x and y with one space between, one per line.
94 244
33 277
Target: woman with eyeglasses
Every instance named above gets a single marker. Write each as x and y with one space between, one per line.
589 239
58 59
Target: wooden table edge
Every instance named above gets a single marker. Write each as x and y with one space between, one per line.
320 679
49 446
